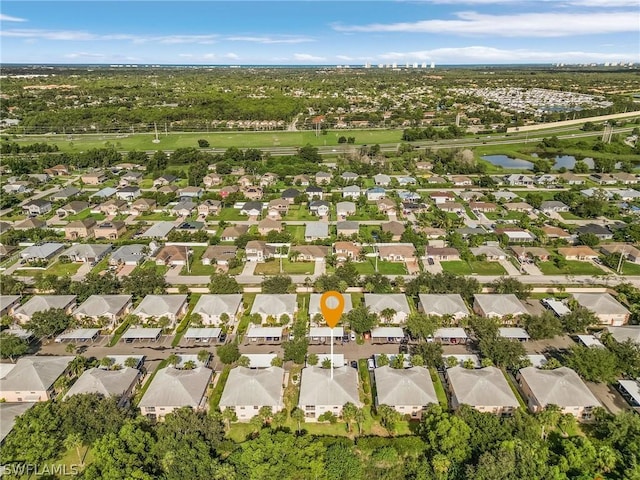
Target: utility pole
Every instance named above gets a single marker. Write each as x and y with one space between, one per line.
622 254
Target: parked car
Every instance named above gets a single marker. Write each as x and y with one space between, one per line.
371 364
352 336
354 364
223 337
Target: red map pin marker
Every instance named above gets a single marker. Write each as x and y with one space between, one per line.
332 305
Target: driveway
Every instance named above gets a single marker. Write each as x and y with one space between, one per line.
609 397
531 269
510 268
82 271
249 269
435 268
320 267
125 271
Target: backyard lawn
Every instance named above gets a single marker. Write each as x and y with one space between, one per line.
86 213
57 268
573 267
297 232
195 264
299 212
368 267
630 268
293 268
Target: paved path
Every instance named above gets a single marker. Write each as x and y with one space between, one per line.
510 268
82 272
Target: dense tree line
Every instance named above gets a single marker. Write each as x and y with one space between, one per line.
461 445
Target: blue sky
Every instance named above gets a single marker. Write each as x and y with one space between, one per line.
320 32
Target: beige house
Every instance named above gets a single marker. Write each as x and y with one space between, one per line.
484 389
562 387
209 207
112 207
141 205
395 228
211 307
580 252
319 393
399 252
267 225
249 389
111 307
93 178
172 388
212 180
606 308
409 391
347 250
310 253
32 378
79 229
442 253
219 254
172 255
110 230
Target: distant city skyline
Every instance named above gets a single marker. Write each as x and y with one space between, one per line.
321 32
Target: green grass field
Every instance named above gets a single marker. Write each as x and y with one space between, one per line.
293 268
144 141
630 269
368 267
460 267
195 264
574 267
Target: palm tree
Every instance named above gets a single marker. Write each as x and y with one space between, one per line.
70 348
131 362
256 424
349 411
279 419
189 365
359 418
74 440
266 413
203 356
243 361
78 365
173 359
298 416
107 362
388 314
229 415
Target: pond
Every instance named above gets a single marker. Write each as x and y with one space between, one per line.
508 162
566 161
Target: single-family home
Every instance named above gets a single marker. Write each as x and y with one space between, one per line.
579 252
461 180
209 207
390 307
72 208
314 192
183 208
64 194
545 179
347 250
316 231
46 251
522 207
442 253
302 180
212 180
347 228
376 193
164 180
382 179
157 306
118 383
483 206
38 206
629 252
110 230
314 306
110 307
290 195
484 389
515 234
159 230
395 228
442 197
111 207
397 252
492 253
172 255
268 178
274 306
600 231
537 253
93 178
409 391
142 205
251 209
277 208
219 254
128 194
249 389
228 190
571 178
351 191
231 233
345 209
553 206
518 180
310 253
212 307
443 305
259 251
561 387
87 252
190 193
267 225
8 303
498 305
386 205
451 207
129 255
323 178
322 392
57 170
42 303
606 308
349 176
173 388
32 378
320 208
79 229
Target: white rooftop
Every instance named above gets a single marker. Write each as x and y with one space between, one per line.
81 334
450 332
255 331
387 332
142 333
590 341
513 332
325 332
260 360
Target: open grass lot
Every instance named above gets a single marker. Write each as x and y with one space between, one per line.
158 216
195 264
461 267
294 268
150 265
230 214
297 232
569 216
299 212
57 268
368 267
504 215
144 141
630 268
86 213
573 267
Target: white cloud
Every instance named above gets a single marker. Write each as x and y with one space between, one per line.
345 58
78 35
305 57
231 56
488 55
85 55
270 39
516 25
9 18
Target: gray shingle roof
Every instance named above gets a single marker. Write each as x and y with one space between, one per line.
246 386
500 304
561 386
481 387
317 387
97 305
443 304
600 303
40 303
379 301
274 304
105 382
8 414
177 388
159 305
410 386
218 304
36 373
